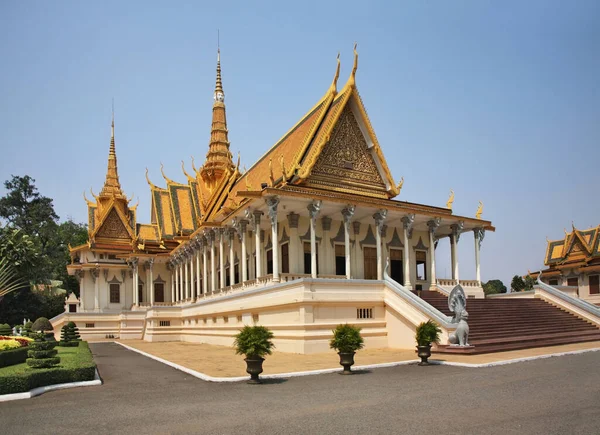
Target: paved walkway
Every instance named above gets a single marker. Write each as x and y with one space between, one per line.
550 396
221 361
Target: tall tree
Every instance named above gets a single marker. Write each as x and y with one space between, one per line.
517 284
529 282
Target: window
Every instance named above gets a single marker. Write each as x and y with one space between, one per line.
239 319
141 293
594 284
269 262
72 308
340 260
159 292
112 257
255 318
285 258
236 273
370 260
115 293
89 325
421 257
364 313
553 282
307 258
164 323
396 265
573 282
227 277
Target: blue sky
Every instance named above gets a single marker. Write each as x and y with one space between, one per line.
499 101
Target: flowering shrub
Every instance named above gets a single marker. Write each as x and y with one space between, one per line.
9 344
23 341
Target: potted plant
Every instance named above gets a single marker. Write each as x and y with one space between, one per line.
254 342
346 341
426 333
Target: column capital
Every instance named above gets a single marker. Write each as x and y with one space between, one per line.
256 214
457 229
479 235
356 227
230 235
434 224
379 217
95 273
326 223
314 208
293 219
348 213
150 263
272 203
80 274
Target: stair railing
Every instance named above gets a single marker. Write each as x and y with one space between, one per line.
579 303
422 305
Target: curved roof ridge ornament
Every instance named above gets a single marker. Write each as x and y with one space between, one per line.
479 211
450 200
333 87
189 177
352 79
400 185
93 194
194 166
152 185
87 200
162 171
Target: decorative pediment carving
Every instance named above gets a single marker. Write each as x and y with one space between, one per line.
113 227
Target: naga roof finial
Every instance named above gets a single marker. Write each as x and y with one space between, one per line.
162 171
93 194
189 177
271 178
400 184
354 66
450 200
479 210
148 180
337 74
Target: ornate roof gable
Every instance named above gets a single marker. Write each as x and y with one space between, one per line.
345 154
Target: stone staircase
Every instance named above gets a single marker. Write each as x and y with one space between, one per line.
510 324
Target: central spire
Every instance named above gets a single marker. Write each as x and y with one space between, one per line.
112 187
219 158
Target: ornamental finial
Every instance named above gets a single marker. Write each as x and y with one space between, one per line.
450 200
479 210
271 178
283 170
400 184
337 74
355 66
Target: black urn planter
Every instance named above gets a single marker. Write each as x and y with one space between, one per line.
254 368
424 352
346 361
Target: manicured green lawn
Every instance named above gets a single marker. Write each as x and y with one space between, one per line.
76 364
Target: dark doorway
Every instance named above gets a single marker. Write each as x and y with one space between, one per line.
159 292
397 271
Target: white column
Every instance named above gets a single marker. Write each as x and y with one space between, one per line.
172 269
204 267
272 203
213 266
294 248
151 280
221 234
407 223
198 275
192 284
136 281
433 225
230 239
96 277
347 213
243 229
454 238
257 244
379 218
186 284
177 275
479 235
314 209
80 274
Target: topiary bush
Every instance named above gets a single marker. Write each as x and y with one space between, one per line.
346 339
13 356
69 336
5 329
26 331
42 353
42 325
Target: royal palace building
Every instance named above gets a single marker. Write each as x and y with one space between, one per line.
312 235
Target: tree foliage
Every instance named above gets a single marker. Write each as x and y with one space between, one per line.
494 286
35 245
517 284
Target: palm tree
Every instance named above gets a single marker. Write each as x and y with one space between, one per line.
9 280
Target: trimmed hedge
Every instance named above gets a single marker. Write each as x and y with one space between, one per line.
68 343
43 363
79 367
5 329
42 353
13 356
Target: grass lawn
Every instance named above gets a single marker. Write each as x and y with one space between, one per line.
76 364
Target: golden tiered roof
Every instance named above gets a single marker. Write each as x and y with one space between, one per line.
576 247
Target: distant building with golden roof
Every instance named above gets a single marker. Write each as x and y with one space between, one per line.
574 261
